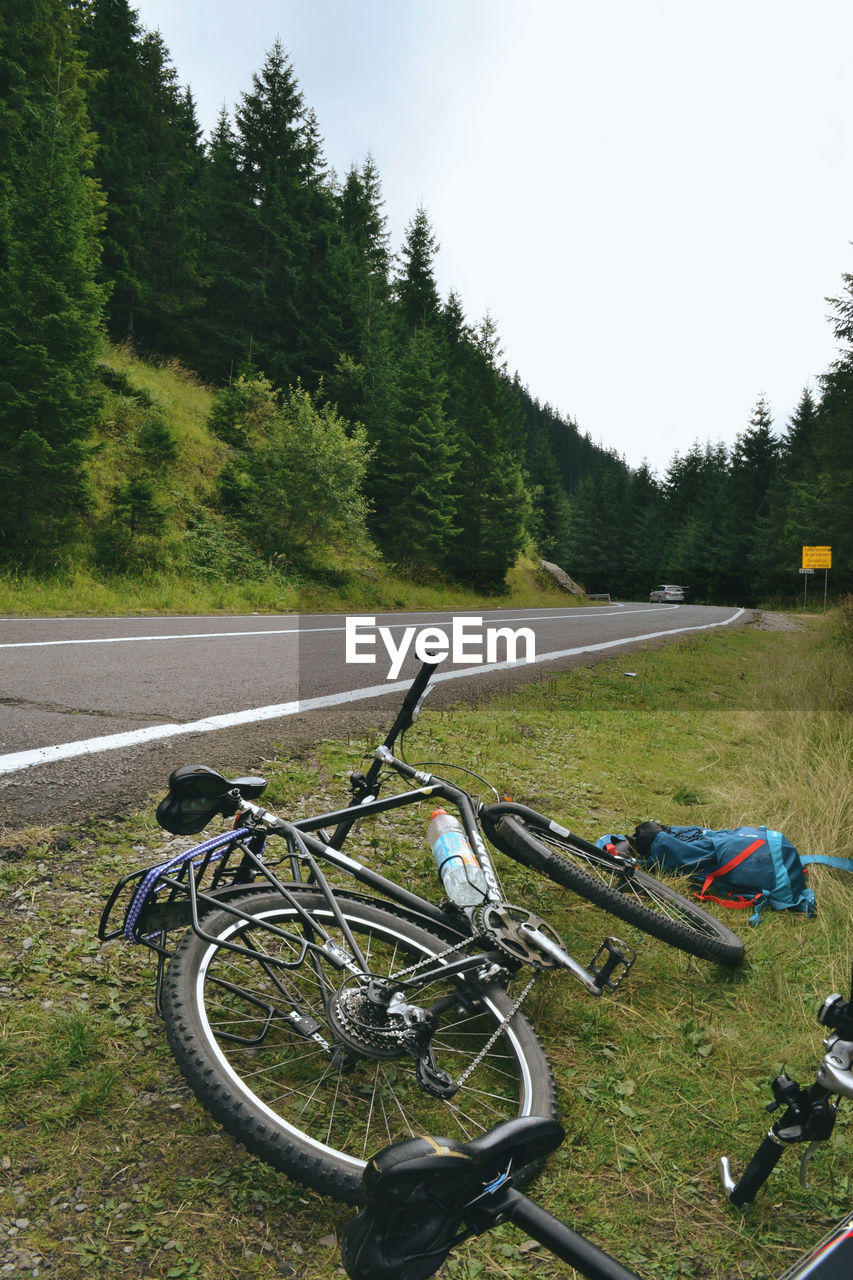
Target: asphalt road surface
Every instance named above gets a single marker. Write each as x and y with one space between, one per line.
96 712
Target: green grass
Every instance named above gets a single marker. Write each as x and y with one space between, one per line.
655 1081
83 592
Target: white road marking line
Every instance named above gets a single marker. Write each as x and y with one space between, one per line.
288 631
18 760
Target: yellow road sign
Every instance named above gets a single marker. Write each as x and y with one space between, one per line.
817 557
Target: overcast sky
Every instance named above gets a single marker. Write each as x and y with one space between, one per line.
653 198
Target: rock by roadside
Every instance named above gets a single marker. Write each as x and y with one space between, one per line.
561 577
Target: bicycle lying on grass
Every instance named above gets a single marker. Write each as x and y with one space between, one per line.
318 1023
426 1195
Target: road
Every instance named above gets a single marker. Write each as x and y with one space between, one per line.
95 712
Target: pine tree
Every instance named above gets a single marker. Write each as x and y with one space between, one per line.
110 38
699 552
831 494
597 544
695 550
779 536
754 469
491 503
50 304
364 223
550 512
223 327
289 228
643 524
172 295
799 440
360 382
148 162
411 476
415 290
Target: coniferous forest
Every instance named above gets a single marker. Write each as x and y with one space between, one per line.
356 413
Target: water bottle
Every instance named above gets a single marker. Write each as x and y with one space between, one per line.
461 873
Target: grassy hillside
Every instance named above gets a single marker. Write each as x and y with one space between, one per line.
109 1166
158 543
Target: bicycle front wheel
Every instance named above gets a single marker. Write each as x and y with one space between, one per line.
633 895
267 1051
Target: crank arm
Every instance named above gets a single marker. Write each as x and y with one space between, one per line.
588 978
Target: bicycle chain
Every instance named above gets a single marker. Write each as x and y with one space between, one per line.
498 1031
421 964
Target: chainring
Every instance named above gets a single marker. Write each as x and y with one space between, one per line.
501 924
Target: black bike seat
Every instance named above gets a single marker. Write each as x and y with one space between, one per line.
451 1164
197 793
418 1192
520 1141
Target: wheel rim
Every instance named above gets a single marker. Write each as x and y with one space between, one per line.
652 894
334 1109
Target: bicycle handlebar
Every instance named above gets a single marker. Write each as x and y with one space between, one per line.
408 711
363 784
809 1115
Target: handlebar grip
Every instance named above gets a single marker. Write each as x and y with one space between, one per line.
404 715
415 693
757 1171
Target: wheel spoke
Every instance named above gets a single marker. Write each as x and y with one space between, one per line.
321 1113
629 893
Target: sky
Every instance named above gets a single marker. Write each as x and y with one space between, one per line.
653 199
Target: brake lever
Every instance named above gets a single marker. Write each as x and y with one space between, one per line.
416 709
806 1158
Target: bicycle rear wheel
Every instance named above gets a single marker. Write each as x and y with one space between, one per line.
266 1051
633 896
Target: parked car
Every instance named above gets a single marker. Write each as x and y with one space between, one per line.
667 593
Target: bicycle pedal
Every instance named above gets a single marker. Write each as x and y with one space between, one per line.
618 959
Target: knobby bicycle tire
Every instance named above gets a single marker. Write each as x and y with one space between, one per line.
636 897
318 1115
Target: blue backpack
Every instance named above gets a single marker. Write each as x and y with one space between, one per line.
749 867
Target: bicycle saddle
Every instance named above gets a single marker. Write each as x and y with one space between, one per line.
419 1191
197 793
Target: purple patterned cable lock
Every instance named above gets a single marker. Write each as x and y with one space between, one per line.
152 876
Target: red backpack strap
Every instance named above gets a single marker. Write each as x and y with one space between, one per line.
730 902
730 866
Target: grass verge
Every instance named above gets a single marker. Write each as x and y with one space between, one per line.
83 592
109 1167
